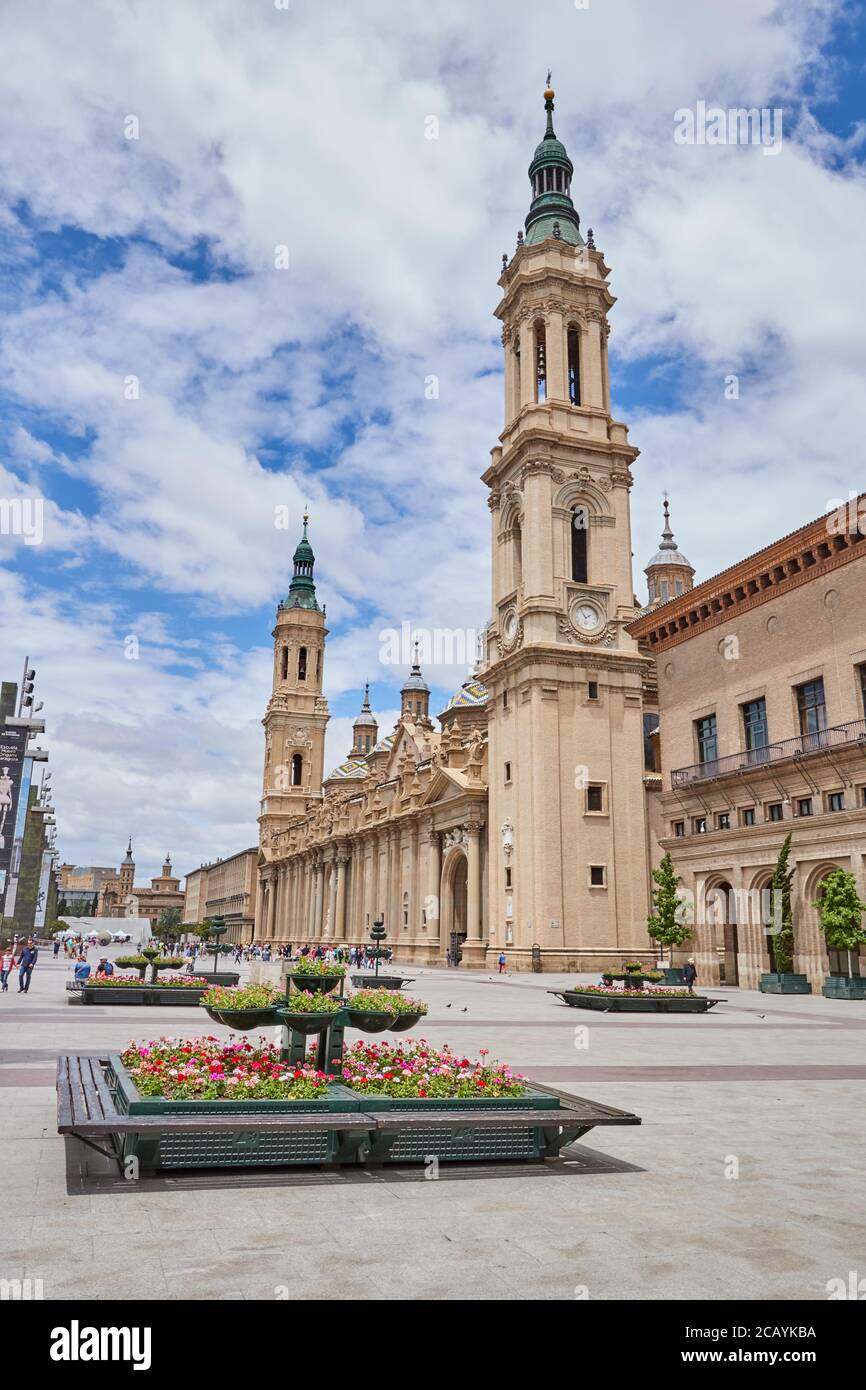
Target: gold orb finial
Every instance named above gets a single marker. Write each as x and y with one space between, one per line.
549 93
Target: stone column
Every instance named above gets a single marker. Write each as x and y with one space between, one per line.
537 538
473 946
557 385
592 374
432 904
527 363
318 900
340 922
331 909
272 904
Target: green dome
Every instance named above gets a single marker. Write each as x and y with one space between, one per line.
302 590
551 212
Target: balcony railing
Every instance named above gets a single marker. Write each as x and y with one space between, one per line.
753 759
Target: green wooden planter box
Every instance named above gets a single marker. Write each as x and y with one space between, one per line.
637 1004
230 978
369 981
240 1148
530 1100
840 987
784 984
153 995
673 975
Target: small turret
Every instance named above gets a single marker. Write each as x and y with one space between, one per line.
668 573
415 694
365 730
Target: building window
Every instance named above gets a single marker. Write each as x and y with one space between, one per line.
405 909
508 878
755 725
574 366
665 590
700 825
836 801
302 664
723 821
508 772
595 798
579 531
804 806
861 672
284 664
811 707
650 758
318 664
592 690
505 699
774 811
679 829
678 587
540 363
596 875
708 745
749 815
297 769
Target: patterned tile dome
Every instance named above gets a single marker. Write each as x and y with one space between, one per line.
352 768
471 692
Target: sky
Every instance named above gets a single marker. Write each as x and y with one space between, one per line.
239 241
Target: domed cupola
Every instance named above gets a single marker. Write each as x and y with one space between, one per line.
551 212
415 694
302 590
365 730
668 573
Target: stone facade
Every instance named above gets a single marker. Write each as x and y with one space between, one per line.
120 896
762 698
226 888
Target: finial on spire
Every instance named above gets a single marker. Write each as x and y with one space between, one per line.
590 240
549 94
668 542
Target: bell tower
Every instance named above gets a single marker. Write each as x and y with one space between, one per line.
297 712
568 848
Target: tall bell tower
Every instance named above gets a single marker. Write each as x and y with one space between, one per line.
297 714
567 829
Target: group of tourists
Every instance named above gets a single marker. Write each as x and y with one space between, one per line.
21 956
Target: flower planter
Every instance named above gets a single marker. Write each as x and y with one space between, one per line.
771 983
314 984
242 1019
531 1099
172 995
219 977
443 1136
305 1022
673 975
403 1023
156 1148
637 1004
369 1021
841 987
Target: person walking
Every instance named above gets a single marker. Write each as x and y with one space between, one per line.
502 963
56 949
690 974
26 962
7 965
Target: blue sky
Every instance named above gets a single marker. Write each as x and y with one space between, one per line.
260 388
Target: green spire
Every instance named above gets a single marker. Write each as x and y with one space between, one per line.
551 212
302 590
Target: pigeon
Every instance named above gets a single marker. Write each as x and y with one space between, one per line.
448 1006
464 1011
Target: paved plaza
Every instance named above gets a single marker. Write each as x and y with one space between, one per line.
744 1180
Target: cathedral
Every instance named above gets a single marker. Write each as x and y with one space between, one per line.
530 819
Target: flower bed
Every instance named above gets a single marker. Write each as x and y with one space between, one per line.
205 1069
134 982
247 1006
652 992
131 989
311 965
414 1075
608 998
376 1010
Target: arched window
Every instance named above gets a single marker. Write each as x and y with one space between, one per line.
318 664
574 365
540 362
518 555
579 534
284 663
297 769
405 909
302 664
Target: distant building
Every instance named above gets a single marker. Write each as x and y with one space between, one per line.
119 895
226 888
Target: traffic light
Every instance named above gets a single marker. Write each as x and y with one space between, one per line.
27 688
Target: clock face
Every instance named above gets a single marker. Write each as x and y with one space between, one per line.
585 616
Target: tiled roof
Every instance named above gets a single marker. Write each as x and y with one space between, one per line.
470 693
353 768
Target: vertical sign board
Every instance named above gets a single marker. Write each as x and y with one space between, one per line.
14 869
42 898
12 759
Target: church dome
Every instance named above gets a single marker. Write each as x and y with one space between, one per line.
551 212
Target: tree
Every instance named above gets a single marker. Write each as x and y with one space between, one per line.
841 913
169 920
667 925
780 907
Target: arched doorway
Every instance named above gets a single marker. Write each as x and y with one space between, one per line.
454 904
721 913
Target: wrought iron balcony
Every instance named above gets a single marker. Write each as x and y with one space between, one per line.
753 759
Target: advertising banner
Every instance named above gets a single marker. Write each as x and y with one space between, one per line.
12 758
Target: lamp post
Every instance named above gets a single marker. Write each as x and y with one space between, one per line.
218 929
377 934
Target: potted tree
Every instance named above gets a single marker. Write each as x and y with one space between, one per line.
841 916
667 924
782 979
